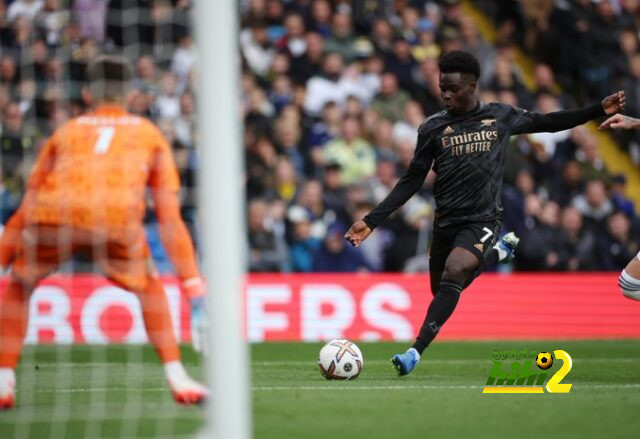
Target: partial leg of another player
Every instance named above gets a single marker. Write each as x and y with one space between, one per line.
629 279
14 317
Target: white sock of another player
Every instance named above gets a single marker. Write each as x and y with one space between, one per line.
629 285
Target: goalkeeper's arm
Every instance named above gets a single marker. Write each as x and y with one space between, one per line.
177 242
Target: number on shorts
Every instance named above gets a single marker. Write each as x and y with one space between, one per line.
485 237
105 136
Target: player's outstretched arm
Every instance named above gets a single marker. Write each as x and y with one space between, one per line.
177 242
620 121
406 187
567 119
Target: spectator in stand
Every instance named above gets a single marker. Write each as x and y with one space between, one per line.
285 185
401 63
578 244
183 61
619 197
167 102
617 246
473 43
288 143
320 20
24 8
594 205
327 86
311 198
546 103
51 20
308 63
342 39
354 154
303 244
587 155
513 201
293 42
91 16
335 256
408 250
334 192
256 48
146 73
260 164
539 246
569 184
427 86
267 250
383 141
391 100
407 127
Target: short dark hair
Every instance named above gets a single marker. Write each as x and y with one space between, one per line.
458 61
109 77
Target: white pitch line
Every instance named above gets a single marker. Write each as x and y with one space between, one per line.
312 363
336 387
446 361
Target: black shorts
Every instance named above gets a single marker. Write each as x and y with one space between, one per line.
477 237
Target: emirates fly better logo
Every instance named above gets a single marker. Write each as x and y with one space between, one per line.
522 376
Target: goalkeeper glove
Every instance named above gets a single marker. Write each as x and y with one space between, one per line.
194 289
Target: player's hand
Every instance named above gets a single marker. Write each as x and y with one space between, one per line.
614 103
620 121
194 289
199 325
358 232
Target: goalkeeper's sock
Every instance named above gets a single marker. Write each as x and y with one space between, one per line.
157 320
14 317
174 370
185 389
7 388
440 309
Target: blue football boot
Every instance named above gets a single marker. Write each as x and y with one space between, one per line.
405 363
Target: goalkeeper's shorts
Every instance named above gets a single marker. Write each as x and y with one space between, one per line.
126 260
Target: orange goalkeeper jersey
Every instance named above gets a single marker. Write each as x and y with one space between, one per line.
94 170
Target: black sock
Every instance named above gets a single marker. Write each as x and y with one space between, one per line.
441 307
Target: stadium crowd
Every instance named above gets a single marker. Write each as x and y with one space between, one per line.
332 94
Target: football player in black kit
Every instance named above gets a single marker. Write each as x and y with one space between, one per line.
466 144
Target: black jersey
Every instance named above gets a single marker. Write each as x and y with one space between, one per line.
467 153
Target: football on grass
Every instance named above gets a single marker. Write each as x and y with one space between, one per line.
544 360
340 360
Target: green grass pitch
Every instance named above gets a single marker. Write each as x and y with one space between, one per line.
116 391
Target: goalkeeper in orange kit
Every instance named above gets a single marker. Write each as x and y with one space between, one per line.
86 193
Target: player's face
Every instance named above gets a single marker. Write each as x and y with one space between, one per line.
458 92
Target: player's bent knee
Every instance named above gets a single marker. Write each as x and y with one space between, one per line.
457 271
629 286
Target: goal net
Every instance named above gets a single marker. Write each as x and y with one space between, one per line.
88 367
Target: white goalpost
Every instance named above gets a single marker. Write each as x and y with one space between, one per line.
221 199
